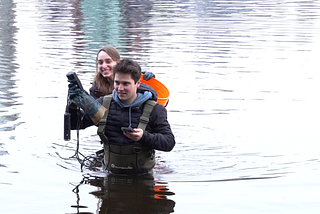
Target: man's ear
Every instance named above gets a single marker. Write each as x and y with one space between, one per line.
138 83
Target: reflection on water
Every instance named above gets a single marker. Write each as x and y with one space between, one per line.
127 194
8 66
243 79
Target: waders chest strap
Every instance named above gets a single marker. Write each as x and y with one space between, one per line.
102 123
144 119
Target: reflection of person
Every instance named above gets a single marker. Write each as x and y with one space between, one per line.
125 151
132 194
107 57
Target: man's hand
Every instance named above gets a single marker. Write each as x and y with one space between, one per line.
83 100
136 135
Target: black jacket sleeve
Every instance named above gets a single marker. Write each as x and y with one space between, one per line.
158 134
94 91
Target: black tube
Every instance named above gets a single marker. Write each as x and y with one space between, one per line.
67 125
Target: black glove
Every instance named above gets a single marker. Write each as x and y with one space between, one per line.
148 75
83 100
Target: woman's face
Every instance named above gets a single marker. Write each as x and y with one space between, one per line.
105 64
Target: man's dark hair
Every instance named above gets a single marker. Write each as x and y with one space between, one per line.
128 66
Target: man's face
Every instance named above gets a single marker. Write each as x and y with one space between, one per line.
125 88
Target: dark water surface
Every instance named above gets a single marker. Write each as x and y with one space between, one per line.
244 105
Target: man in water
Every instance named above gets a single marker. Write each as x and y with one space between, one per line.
129 134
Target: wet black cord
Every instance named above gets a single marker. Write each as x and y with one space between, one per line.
88 161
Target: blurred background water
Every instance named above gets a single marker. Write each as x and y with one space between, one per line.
244 105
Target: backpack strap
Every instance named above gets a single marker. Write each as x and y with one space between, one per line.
102 123
144 119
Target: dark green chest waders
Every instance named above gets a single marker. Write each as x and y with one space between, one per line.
128 159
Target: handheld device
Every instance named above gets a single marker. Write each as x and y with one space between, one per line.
127 129
72 77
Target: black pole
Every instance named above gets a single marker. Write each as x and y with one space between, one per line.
67 124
